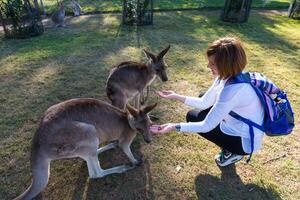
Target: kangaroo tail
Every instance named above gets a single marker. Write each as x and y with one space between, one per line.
40 172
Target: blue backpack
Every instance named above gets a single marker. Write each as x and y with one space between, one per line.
279 117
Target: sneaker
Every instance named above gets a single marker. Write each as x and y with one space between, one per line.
225 158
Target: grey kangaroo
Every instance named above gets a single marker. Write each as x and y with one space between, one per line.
129 79
75 128
76 8
58 17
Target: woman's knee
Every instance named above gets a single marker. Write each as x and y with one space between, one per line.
190 116
195 115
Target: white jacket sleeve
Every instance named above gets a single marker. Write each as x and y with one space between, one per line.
206 101
225 103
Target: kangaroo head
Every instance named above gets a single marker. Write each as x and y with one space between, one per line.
61 5
157 63
141 121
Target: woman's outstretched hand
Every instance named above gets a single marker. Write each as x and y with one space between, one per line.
164 128
169 94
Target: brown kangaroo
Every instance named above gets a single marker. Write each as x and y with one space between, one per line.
129 79
75 128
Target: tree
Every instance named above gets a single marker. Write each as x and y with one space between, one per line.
294 9
236 10
19 19
138 12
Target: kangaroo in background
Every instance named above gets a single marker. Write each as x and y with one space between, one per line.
58 17
76 8
75 128
129 79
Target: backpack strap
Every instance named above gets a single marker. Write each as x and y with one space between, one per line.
245 78
240 78
251 131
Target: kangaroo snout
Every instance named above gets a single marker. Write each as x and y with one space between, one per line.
148 140
163 76
147 136
164 79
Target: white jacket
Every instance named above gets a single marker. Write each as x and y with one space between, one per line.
240 98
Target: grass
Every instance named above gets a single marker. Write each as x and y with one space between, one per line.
116 5
74 62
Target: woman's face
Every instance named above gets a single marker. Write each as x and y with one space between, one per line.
212 66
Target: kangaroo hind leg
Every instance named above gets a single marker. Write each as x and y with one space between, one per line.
95 170
111 145
88 151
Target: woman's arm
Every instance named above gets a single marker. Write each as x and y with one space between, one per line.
227 101
168 94
207 100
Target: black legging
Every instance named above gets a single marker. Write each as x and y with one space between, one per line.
228 142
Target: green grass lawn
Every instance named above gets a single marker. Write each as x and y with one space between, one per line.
116 5
74 62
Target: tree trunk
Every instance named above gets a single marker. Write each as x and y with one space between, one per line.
3 23
37 11
139 12
43 7
294 9
236 10
28 8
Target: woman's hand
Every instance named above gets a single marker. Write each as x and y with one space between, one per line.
164 128
169 94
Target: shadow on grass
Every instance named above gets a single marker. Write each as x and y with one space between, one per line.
230 186
69 179
134 184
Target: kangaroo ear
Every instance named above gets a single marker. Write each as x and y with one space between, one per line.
134 112
148 108
149 55
163 52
